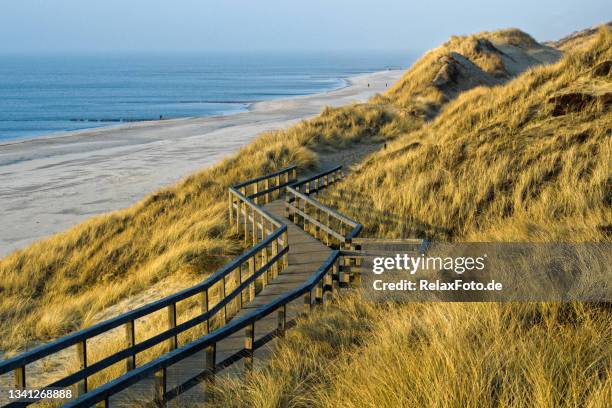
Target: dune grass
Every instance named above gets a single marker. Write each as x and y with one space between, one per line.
506 163
62 283
359 354
497 163
529 160
178 234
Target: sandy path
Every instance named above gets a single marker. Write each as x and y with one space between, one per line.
49 184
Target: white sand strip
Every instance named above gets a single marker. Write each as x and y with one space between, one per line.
50 184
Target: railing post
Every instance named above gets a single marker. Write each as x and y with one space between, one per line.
327 289
265 259
317 229
249 343
344 274
255 191
81 349
267 187
305 211
319 292
223 297
274 253
296 216
255 232
246 221
335 277
231 208
357 273
204 309
252 273
264 228
282 320
130 337
240 283
160 386
286 256
211 361
20 377
307 302
238 215
173 341
278 183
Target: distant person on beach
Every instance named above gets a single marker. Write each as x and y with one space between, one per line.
160 117
368 85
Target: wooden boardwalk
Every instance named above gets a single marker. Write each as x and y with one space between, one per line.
311 250
305 256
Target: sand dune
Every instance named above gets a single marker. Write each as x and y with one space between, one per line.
49 184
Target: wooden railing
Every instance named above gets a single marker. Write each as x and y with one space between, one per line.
270 239
266 188
252 221
233 284
321 283
324 223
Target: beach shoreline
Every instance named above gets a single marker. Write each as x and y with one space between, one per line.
52 182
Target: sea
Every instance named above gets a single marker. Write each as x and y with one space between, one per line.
45 94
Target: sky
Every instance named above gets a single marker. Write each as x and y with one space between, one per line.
77 26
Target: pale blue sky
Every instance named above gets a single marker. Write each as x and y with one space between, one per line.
242 25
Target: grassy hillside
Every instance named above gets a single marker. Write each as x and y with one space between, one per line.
359 354
463 63
178 234
576 39
529 160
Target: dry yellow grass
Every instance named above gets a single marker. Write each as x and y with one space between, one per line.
496 164
62 283
529 160
470 61
360 354
516 162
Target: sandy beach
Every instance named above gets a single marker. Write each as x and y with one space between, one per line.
50 183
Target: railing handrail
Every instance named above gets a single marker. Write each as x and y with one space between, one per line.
107 325
74 338
265 176
121 383
295 191
134 374
257 208
323 207
165 335
316 176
